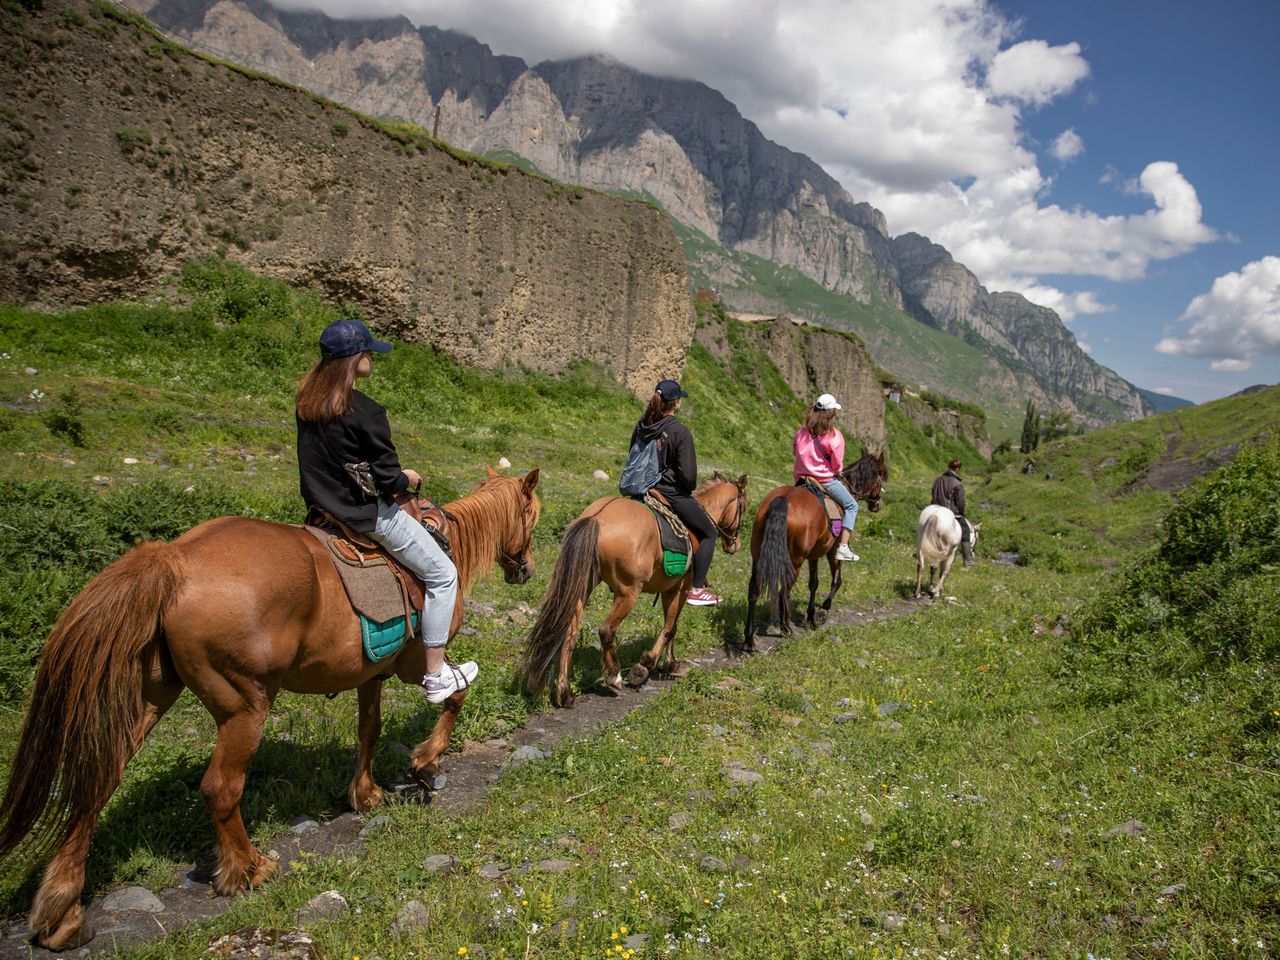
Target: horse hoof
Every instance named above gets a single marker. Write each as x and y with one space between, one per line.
638 676
563 701
607 689
680 669
71 933
819 617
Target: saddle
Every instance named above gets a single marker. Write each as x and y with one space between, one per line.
677 545
835 512
387 597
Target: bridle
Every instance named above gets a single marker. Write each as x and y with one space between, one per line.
728 538
520 566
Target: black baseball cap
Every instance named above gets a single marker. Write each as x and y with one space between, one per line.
345 338
670 390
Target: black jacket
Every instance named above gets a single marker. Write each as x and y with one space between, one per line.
948 491
363 435
676 458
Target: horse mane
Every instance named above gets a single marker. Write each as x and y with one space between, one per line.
864 471
482 521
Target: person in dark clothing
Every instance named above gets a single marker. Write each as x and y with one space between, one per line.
679 466
348 468
948 491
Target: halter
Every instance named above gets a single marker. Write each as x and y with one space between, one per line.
521 566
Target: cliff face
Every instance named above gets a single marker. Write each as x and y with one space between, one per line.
814 361
129 155
598 122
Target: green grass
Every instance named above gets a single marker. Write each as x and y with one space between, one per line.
1111 676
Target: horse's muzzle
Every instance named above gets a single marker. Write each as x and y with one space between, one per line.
520 573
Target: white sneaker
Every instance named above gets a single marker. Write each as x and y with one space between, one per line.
844 553
452 677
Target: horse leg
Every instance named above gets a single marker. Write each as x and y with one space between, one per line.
611 666
364 793
920 572
424 761
943 570
753 594
239 732
672 605
562 693
57 919
813 592
837 578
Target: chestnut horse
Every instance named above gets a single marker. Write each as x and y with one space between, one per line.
792 527
616 540
237 610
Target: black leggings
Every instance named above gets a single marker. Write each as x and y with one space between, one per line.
695 518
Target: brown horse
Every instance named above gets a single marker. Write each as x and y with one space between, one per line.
616 540
792 527
237 610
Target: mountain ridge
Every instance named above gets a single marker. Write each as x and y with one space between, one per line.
595 121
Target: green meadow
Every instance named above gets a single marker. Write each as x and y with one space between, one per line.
1074 753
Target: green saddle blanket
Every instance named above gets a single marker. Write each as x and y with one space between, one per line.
382 640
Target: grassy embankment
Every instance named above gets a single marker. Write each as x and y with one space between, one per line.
940 785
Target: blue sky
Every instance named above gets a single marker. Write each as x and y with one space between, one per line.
1111 160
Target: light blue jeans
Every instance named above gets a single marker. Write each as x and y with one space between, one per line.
840 494
409 543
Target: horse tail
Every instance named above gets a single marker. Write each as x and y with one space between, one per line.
775 573
574 577
86 706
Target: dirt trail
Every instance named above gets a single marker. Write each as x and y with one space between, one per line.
470 775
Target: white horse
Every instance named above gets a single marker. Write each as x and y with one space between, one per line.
937 539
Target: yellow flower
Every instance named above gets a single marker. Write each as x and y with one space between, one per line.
622 930
614 935
462 951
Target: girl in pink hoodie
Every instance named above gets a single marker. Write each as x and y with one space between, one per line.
819 451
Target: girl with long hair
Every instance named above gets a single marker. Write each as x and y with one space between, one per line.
348 468
819 453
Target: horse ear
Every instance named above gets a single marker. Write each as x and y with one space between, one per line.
717 475
742 482
531 480
490 473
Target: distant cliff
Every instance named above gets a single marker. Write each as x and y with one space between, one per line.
124 155
598 122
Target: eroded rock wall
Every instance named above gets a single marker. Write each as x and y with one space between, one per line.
129 155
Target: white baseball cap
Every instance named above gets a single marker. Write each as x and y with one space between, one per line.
826 402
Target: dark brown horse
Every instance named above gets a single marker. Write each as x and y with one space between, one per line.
792 527
616 540
237 610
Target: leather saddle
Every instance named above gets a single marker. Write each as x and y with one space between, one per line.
833 510
351 549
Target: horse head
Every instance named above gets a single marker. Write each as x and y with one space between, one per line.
728 516
866 479
515 554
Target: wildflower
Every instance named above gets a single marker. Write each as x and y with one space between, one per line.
462 951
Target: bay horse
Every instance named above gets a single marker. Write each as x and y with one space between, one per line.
236 609
616 540
792 527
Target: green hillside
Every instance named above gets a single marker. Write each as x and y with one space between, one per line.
1074 754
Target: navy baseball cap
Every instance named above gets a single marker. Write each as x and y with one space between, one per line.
670 390
346 338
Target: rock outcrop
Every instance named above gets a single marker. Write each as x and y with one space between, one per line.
598 122
125 155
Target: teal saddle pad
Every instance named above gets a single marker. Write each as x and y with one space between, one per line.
677 551
382 640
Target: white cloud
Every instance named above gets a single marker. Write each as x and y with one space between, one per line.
916 106
1067 145
1068 306
1236 321
1163 391
1087 348
1036 72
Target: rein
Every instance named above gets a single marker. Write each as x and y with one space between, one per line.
725 536
521 566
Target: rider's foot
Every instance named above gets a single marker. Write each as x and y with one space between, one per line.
701 597
844 553
450 678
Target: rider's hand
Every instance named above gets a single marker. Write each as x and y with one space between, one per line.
415 479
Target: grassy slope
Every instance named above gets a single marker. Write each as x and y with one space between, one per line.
976 813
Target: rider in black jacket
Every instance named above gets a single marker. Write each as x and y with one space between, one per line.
679 466
948 491
348 467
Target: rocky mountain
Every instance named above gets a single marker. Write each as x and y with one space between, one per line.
599 123
124 155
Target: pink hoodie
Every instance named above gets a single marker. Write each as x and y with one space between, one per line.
820 459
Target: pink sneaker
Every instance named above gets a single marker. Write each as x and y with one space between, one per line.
701 597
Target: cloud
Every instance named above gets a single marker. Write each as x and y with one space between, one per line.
1035 72
917 106
1067 146
1163 391
1067 306
1236 321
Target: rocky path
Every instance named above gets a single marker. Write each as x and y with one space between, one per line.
135 915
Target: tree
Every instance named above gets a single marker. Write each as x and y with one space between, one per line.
1030 429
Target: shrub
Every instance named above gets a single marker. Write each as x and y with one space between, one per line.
64 417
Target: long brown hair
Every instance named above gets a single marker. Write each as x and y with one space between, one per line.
819 422
325 392
658 408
